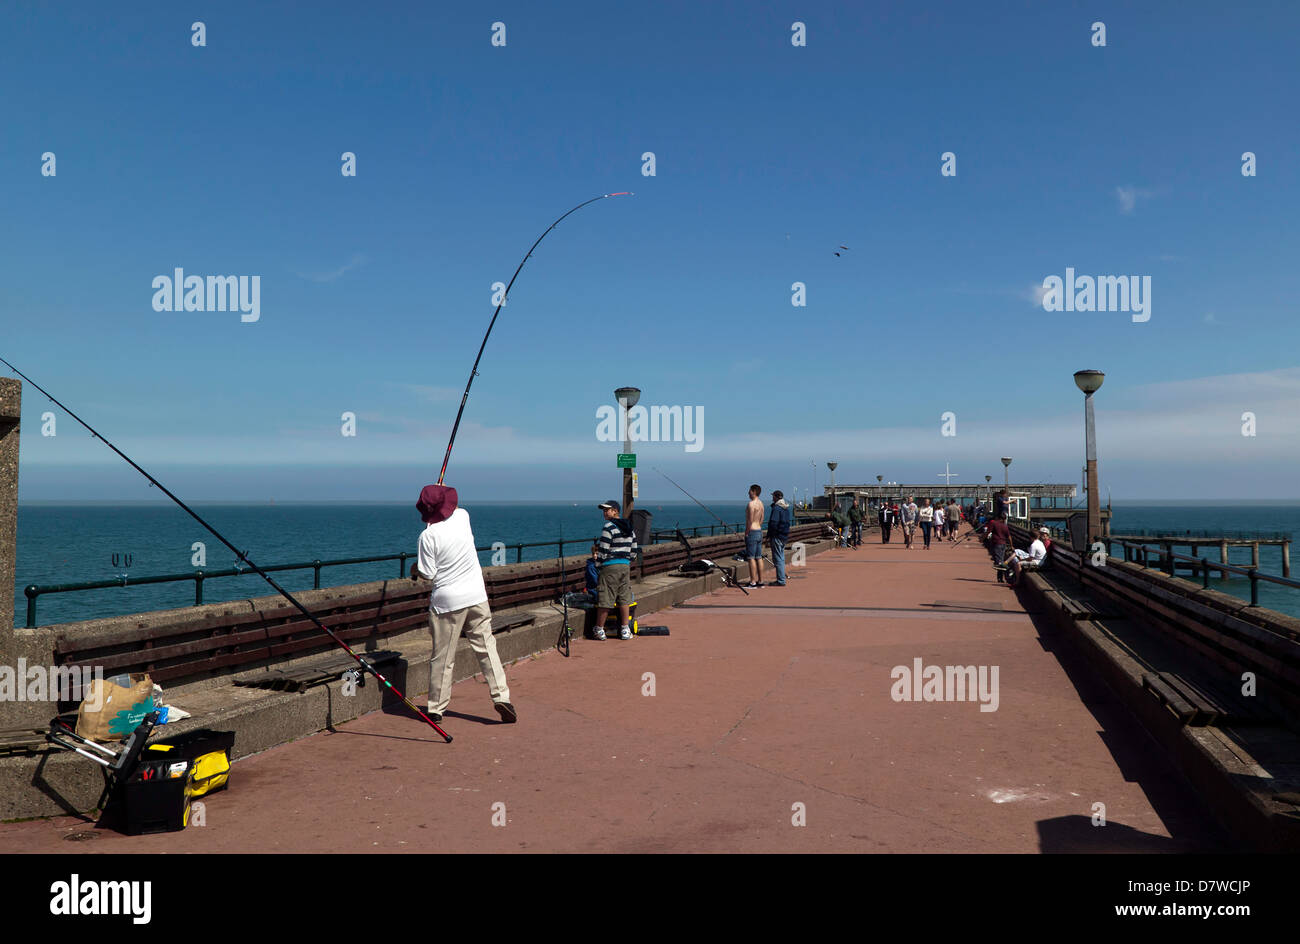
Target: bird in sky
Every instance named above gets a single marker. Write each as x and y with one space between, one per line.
845 248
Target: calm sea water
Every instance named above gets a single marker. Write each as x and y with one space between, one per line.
71 544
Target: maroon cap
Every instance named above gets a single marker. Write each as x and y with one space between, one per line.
436 503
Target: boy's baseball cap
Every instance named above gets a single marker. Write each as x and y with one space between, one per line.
609 504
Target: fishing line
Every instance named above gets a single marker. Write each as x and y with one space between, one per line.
726 527
473 371
241 555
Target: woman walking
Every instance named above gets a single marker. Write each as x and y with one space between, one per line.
926 517
940 521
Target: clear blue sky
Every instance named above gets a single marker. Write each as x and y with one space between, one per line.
375 289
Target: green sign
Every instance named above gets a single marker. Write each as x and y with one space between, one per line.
627 460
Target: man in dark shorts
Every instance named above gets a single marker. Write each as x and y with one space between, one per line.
614 550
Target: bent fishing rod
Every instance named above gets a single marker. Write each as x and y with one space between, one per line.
241 555
473 371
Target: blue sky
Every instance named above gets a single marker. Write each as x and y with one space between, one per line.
375 289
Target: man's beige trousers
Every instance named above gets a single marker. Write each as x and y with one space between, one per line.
446 628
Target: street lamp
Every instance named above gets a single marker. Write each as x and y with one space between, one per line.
627 398
1089 381
831 466
987 484
1006 472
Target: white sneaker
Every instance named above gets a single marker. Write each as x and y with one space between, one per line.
600 633
625 632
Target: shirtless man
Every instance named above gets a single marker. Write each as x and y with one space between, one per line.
754 537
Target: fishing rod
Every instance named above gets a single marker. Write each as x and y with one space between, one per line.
473 371
724 524
241 555
562 641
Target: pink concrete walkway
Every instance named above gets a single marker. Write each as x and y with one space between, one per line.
760 703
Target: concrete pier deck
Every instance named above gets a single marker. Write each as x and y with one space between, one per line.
766 707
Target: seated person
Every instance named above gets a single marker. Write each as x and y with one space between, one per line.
586 599
1033 558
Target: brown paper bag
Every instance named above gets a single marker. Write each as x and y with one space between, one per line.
111 711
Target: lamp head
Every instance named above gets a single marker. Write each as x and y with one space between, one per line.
988 478
832 465
628 395
1006 460
1089 381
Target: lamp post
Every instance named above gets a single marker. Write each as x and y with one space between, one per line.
1006 472
831 466
627 398
1089 381
988 479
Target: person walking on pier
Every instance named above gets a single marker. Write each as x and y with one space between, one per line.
778 531
855 521
614 550
886 516
459 601
908 515
925 516
754 537
940 522
954 519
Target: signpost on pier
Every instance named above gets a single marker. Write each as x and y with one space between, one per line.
627 398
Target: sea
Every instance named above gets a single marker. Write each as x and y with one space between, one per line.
70 543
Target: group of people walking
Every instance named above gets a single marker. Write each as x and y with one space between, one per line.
939 520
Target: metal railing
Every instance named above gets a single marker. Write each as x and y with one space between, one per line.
199 577
1202 534
671 534
1139 552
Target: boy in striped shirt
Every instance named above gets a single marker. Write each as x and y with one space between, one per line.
614 550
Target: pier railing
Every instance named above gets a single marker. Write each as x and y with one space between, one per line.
1167 560
1204 535
199 577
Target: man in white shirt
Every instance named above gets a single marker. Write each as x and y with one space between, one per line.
1034 558
459 600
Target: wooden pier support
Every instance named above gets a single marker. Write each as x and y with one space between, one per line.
1286 558
1223 559
1254 554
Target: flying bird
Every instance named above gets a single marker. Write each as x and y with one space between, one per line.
845 248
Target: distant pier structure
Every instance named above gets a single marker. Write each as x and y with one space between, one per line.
1199 539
